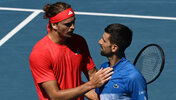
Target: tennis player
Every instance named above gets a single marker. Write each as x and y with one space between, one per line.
58 59
126 83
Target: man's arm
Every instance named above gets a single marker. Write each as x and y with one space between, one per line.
99 78
91 73
138 87
91 95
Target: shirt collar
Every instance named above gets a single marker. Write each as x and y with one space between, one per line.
118 64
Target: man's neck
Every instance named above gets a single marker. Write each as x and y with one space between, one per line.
56 38
113 60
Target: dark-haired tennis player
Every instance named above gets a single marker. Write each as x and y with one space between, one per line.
126 83
58 59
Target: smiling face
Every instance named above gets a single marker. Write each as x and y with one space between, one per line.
106 46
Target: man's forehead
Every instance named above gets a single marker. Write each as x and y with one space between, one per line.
106 35
71 19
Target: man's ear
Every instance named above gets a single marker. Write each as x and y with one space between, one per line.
114 48
54 26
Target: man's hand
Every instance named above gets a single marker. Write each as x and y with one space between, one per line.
102 76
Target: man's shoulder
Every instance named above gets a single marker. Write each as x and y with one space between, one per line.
133 73
129 70
40 47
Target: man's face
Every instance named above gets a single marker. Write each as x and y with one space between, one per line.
105 44
66 27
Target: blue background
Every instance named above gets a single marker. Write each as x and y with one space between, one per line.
16 82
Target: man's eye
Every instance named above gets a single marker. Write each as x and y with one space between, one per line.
68 24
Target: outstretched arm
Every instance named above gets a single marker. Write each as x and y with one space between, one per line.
98 79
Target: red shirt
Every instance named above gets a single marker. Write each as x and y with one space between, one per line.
64 63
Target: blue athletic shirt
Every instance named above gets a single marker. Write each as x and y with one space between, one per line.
126 83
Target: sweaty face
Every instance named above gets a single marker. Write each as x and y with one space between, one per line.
66 27
105 45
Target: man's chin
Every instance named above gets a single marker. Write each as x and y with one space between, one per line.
106 55
102 54
69 35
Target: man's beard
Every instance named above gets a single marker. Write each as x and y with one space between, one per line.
106 54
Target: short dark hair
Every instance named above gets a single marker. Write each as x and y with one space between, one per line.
120 35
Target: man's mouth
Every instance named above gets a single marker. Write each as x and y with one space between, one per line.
71 32
101 47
